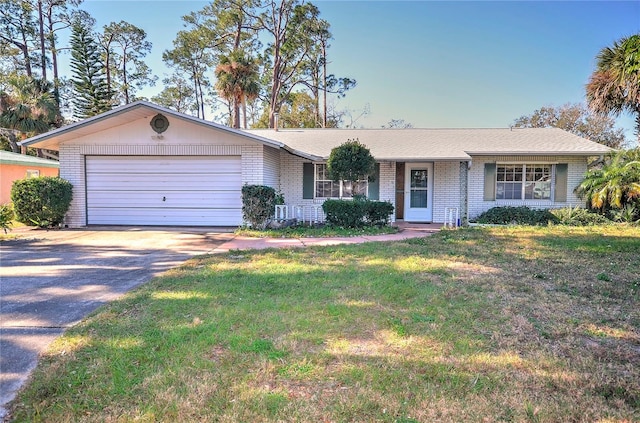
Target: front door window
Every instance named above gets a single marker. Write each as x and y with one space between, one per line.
419 188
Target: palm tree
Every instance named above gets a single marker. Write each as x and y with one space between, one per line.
615 184
614 87
237 83
27 107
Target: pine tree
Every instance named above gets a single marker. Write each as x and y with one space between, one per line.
91 94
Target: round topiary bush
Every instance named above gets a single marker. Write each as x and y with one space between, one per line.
41 202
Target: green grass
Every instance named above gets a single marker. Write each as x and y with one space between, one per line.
486 324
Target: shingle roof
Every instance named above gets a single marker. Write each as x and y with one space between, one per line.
7 157
438 144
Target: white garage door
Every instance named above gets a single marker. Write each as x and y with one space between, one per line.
159 190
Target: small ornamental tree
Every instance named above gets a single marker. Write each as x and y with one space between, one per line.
352 162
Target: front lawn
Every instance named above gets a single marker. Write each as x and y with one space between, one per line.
483 324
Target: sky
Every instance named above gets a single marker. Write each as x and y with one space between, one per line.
436 64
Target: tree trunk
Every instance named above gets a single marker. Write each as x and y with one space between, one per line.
43 52
324 85
124 77
54 58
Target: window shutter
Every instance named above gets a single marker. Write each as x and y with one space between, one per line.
489 182
307 180
560 188
374 187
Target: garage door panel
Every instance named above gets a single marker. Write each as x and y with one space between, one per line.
165 199
158 190
160 182
178 165
158 217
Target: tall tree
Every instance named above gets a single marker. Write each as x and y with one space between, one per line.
130 47
191 57
18 29
27 108
237 82
177 95
577 119
614 87
91 96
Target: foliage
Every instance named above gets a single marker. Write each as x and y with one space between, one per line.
377 213
577 119
41 201
27 106
345 213
351 161
177 95
91 92
578 216
237 77
613 185
516 215
630 213
357 213
258 204
6 217
127 46
614 87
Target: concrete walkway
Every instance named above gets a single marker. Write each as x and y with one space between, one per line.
407 230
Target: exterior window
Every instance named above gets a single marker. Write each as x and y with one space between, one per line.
326 188
33 174
523 182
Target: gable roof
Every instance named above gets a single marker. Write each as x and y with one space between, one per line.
9 158
439 144
129 113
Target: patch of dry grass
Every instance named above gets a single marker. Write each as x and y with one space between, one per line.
491 325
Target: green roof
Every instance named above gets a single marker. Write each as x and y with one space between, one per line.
7 157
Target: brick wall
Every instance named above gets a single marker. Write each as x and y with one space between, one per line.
446 188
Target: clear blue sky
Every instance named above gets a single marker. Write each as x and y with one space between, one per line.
438 64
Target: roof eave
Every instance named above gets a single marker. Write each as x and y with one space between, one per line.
33 141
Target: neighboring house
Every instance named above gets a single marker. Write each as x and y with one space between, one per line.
14 166
141 164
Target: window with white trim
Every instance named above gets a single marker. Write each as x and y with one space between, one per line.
327 188
523 181
33 173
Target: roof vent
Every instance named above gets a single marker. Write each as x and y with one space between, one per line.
159 123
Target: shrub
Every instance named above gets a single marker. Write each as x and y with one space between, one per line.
516 215
377 213
630 213
345 213
258 204
6 217
357 213
41 202
578 216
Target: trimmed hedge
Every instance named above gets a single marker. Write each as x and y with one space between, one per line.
516 216
41 202
357 213
258 204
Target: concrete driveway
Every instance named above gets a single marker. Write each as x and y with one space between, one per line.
50 280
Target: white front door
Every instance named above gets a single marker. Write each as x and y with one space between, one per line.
418 192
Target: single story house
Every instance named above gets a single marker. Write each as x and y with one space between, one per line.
14 166
142 164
